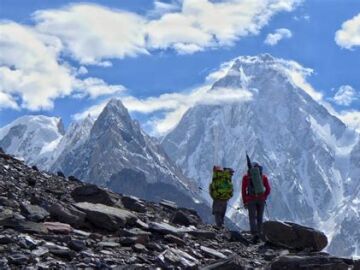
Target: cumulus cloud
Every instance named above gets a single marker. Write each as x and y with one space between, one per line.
187 26
348 36
31 74
279 34
196 26
345 95
95 87
92 33
29 68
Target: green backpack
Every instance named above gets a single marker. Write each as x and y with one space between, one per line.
256 185
221 187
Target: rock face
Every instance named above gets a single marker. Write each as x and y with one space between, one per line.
311 157
118 154
291 235
130 233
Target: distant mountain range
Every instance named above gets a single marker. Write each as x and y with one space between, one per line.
311 157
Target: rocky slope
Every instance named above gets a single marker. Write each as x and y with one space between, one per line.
310 156
49 222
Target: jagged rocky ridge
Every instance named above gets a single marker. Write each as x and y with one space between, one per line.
111 151
311 157
49 222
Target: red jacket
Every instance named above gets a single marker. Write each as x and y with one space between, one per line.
246 197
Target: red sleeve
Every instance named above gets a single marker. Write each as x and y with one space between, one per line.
243 188
267 186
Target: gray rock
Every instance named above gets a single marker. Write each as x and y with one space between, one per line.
23 225
165 228
106 217
6 239
68 214
18 258
294 236
234 262
202 234
60 251
174 239
77 245
133 203
40 251
182 218
139 248
108 244
212 252
33 212
92 194
177 257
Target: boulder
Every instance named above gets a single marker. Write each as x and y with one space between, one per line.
33 212
92 194
68 214
182 218
58 227
133 203
309 262
24 226
106 217
294 236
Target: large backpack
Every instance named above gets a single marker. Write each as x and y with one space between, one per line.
221 187
256 185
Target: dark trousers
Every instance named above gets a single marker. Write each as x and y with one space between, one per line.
219 210
256 213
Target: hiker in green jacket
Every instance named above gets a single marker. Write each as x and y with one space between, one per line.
221 190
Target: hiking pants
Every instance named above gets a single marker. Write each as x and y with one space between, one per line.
219 210
256 212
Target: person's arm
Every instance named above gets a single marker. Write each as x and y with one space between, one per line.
267 187
243 189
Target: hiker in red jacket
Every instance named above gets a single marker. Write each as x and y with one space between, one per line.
255 203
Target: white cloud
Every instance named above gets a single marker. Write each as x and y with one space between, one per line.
29 67
32 75
173 106
202 24
349 34
95 87
187 26
351 119
345 95
7 101
279 34
92 33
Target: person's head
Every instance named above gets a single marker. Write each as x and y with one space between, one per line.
217 168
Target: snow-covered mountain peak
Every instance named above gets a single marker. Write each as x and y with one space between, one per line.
32 136
310 156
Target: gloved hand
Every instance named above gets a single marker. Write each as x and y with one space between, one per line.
245 205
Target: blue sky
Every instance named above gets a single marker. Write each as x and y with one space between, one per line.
141 50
